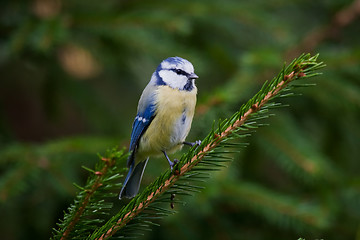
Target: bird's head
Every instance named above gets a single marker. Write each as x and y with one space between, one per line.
176 72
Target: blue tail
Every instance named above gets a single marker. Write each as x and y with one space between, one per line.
133 179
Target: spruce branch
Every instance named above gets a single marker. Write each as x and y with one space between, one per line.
89 192
256 108
339 21
103 175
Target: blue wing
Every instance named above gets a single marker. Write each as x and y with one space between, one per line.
141 123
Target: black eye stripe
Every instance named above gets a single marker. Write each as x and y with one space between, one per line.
180 72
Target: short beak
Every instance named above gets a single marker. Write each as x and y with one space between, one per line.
193 76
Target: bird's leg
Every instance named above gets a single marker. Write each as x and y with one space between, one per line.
198 142
172 164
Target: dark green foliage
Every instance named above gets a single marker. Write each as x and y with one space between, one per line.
71 75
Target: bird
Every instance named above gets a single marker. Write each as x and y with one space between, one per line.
164 115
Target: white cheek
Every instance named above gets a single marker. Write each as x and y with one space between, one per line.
165 65
172 79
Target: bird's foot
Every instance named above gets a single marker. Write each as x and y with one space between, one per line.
197 143
173 164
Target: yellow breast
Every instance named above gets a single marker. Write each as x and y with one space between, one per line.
172 122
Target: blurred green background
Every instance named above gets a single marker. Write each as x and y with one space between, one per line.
71 73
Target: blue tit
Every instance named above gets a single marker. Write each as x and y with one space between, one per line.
164 115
